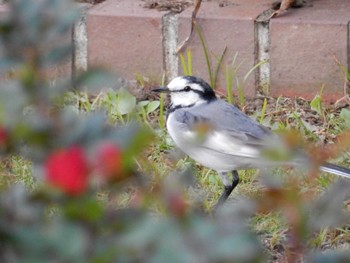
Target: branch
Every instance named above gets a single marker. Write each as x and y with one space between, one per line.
193 23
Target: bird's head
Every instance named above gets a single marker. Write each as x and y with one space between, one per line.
187 91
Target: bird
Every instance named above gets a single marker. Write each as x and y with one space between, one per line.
219 136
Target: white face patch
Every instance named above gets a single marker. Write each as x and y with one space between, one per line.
184 98
177 84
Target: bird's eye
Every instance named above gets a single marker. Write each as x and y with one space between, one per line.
187 88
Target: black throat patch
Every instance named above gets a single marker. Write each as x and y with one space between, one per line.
177 107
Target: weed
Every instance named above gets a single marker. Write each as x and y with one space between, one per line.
316 104
120 106
230 69
206 54
231 75
263 110
212 74
161 119
217 67
186 63
229 84
140 79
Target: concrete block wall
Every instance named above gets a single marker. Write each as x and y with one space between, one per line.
304 47
300 47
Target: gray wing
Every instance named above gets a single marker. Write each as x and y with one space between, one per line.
228 118
223 128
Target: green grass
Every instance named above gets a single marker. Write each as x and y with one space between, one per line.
16 170
160 163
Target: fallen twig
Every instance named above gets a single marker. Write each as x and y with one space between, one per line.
285 5
193 23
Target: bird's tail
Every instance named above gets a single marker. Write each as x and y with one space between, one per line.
336 169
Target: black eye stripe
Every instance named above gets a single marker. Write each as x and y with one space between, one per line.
197 91
204 90
189 89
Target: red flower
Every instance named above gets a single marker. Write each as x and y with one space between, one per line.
109 161
177 204
68 170
3 136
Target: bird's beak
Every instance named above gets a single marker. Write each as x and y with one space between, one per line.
161 89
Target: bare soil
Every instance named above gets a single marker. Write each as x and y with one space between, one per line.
180 5
176 6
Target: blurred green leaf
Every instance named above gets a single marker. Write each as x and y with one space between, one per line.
85 209
65 240
10 112
58 54
322 211
143 103
126 103
152 106
345 115
330 257
83 130
97 80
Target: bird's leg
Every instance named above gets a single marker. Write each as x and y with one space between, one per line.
229 186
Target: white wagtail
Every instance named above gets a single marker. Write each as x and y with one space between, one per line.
218 135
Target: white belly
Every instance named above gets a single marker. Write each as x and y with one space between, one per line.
218 160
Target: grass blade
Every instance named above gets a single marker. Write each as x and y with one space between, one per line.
229 84
240 91
189 62
344 69
206 55
263 111
252 69
218 65
161 119
161 112
183 64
